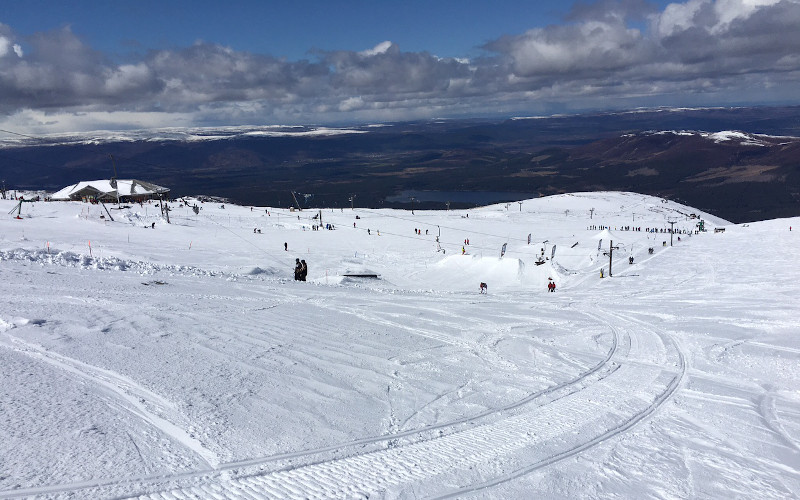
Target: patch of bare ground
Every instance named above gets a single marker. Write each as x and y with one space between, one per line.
739 173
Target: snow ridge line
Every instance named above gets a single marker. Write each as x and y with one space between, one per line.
72 259
590 377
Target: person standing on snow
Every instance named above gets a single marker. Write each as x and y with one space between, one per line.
303 270
298 269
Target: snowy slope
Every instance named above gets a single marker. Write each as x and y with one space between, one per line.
184 361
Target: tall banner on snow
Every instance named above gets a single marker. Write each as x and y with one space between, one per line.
503 250
599 244
553 253
529 238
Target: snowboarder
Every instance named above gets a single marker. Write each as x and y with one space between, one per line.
298 269
303 270
484 288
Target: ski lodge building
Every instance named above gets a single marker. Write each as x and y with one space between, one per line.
129 190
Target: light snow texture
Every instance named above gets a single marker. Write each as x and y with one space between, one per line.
184 361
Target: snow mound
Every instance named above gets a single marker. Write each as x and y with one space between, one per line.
255 271
469 271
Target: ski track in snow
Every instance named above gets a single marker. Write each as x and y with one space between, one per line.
611 389
377 471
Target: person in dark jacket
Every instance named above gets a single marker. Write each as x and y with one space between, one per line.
303 270
298 269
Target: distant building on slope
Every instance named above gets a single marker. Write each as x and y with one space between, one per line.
107 190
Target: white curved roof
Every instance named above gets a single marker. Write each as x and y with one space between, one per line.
126 187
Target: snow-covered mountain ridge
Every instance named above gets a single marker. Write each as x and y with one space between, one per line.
176 134
743 138
183 360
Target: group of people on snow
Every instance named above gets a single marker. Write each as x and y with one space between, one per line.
300 270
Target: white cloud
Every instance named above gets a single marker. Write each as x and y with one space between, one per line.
351 104
5 43
127 77
715 16
728 11
591 44
381 48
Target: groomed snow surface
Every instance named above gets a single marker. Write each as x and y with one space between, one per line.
184 361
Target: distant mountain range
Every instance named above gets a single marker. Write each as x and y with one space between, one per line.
741 164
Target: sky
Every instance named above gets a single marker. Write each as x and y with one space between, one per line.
145 64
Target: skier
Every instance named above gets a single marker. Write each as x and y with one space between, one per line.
551 287
285 246
303 270
298 269
484 288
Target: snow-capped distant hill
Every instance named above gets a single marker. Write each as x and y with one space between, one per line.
742 138
183 360
188 135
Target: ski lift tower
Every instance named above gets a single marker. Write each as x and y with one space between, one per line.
18 208
113 181
296 203
610 254
671 230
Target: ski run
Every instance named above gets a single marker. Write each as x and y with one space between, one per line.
154 360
